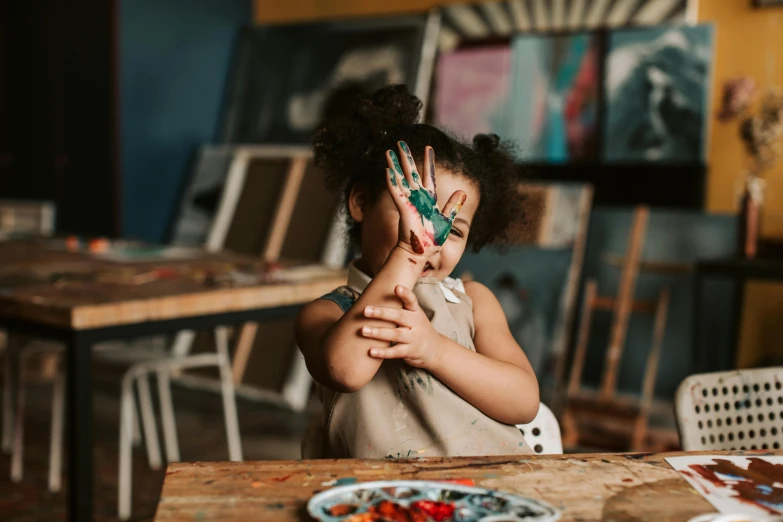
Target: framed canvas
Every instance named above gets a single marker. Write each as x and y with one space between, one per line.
201 197
553 112
284 74
471 91
493 19
272 203
536 277
657 93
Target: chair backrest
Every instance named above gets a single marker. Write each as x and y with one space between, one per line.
26 217
543 433
731 410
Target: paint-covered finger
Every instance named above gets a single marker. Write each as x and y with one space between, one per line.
429 171
454 204
408 298
399 177
395 352
393 315
409 166
392 335
393 185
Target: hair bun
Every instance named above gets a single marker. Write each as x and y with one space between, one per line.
486 143
389 107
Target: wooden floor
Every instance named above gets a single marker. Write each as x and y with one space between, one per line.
267 434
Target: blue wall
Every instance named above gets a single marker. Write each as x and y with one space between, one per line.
174 57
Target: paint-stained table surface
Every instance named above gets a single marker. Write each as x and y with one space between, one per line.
639 487
41 281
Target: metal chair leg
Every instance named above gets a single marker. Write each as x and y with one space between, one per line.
56 441
8 399
149 425
229 399
127 418
17 451
167 416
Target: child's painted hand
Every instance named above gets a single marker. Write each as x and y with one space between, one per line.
414 340
423 227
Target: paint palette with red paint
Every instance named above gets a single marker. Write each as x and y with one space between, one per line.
424 501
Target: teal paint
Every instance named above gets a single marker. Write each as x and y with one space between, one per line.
424 201
407 152
392 177
396 162
348 480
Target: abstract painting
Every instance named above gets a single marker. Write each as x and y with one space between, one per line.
656 93
472 89
738 485
553 105
284 75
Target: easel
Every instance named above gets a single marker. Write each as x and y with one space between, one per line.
271 254
604 410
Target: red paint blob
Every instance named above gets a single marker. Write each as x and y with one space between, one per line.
416 244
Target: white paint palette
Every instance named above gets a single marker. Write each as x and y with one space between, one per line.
424 501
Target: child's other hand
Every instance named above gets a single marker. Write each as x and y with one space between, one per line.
423 227
415 339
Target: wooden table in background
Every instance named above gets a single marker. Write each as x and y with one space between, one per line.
81 299
618 487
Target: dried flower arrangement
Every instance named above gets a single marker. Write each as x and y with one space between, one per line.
760 128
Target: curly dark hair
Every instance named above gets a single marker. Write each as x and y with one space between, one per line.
351 148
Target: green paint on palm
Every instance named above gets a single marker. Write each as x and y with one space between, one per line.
424 201
427 206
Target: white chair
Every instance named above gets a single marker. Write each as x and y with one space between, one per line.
34 218
543 433
731 410
139 374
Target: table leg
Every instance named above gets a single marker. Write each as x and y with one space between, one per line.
699 359
79 403
729 359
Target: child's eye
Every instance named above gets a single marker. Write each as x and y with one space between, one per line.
456 232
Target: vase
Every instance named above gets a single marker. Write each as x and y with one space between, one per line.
749 221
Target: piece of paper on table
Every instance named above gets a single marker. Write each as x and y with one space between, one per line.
749 485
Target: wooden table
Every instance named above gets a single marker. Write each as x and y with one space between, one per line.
637 487
707 357
82 299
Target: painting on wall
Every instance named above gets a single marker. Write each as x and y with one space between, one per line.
553 105
471 91
656 93
284 75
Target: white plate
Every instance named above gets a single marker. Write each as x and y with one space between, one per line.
470 504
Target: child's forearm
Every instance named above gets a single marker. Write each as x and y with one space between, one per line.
345 350
501 390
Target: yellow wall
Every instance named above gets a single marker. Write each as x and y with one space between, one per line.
290 10
748 43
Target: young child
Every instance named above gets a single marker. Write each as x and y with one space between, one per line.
409 362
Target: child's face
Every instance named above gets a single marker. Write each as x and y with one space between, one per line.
380 225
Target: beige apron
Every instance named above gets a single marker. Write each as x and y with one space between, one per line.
406 412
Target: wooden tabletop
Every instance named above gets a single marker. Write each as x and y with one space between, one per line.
43 281
637 487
